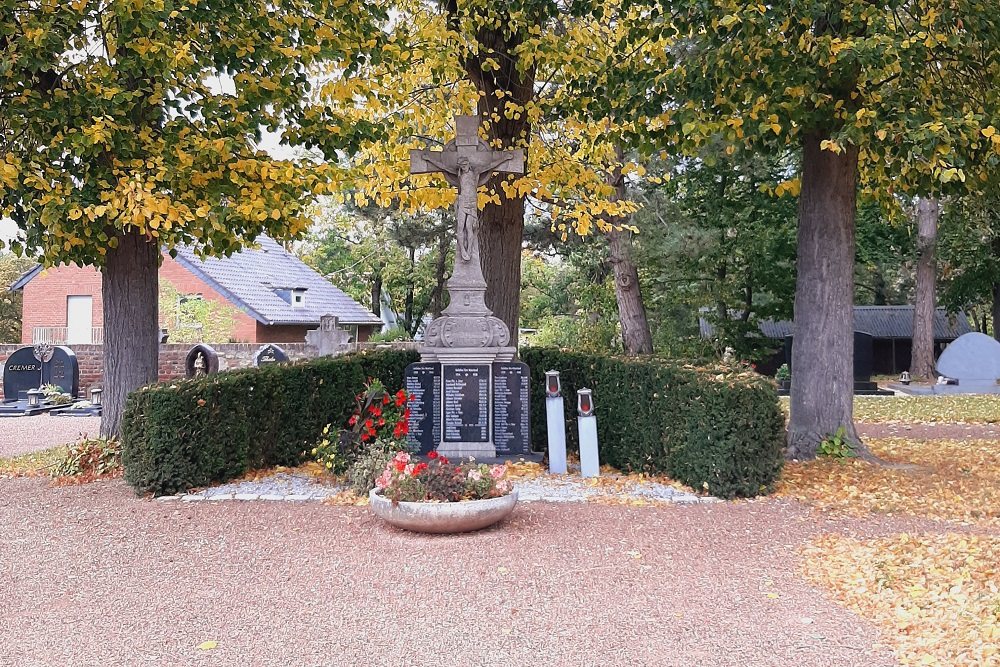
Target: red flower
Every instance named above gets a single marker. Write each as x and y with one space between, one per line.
353 420
381 421
406 413
443 460
397 432
385 399
432 455
376 411
400 397
419 468
400 466
369 423
364 437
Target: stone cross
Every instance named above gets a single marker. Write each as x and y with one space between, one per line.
467 162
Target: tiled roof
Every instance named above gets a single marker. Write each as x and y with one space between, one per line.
879 321
250 278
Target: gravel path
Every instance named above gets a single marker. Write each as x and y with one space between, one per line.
92 575
20 435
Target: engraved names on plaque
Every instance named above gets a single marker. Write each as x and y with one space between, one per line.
423 384
466 402
511 417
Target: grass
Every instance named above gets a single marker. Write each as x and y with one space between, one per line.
33 464
972 409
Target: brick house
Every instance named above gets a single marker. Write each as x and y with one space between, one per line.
269 295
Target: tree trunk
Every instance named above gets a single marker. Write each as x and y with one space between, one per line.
408 303
922 364
822 390
131 323
996 310
636 337
377 294
500 235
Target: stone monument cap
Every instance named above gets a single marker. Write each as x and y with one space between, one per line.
973 357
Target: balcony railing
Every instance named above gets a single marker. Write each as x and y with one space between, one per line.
60 336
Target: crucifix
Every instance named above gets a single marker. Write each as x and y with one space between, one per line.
467 162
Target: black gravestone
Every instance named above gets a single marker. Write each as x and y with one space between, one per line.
269 354
21 373
511 416
423 384
63 371
466 399
201 360
864 356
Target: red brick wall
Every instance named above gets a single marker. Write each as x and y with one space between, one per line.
45 297
185 282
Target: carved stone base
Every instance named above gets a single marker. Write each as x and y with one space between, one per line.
464 450
458 331
466 355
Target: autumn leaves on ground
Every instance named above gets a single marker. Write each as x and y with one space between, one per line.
933 586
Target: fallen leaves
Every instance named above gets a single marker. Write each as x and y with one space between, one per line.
937 597
34 464
956 480
970 409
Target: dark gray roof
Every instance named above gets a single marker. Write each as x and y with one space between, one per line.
25 278
879 321
250 278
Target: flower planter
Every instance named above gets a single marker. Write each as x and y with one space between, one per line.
460 517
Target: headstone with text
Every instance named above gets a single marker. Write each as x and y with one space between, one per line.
423 385
23 371
269 354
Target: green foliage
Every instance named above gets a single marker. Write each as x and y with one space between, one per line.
194 432
390 335
93 457
371 463
193 318
784 373
11 268
54 395
836 446
719 430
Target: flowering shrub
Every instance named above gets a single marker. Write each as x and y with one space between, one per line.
439 480
379 417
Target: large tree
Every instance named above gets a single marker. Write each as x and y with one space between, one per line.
130 127
851 84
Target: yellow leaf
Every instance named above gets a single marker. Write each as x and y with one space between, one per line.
208 646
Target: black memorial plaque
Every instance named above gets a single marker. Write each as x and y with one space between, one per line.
269 354
423 384
466 399
21 372
511 416
63 371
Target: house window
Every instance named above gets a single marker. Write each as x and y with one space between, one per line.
298 298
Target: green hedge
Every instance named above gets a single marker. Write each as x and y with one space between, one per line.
194 432
713 429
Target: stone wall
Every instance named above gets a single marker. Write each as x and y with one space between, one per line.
173 356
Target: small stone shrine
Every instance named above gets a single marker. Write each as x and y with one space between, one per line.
469 397
329 339
269 354
201 360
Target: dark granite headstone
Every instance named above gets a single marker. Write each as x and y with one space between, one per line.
466 399
864 356
511 416
269 354
63 371
423 383
21 372
201 360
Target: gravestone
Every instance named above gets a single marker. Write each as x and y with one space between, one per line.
511 409
423 384
269 354
973 359
467 340
328 339
23 371
201 360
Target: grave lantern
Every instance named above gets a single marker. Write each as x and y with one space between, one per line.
553 388
95 396
905 377
34 396
590 464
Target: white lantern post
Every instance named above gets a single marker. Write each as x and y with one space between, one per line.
590 464
555 416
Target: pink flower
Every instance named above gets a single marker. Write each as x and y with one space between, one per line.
498 472
408 470
475 475
401 457
384 479
503 487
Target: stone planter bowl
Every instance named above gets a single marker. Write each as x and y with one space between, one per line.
459 517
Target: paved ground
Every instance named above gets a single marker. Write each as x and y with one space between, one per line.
20 435
92 575
930 431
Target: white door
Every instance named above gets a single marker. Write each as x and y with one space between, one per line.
79 319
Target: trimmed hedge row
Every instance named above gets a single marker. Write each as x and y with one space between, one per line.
194 432
719 430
